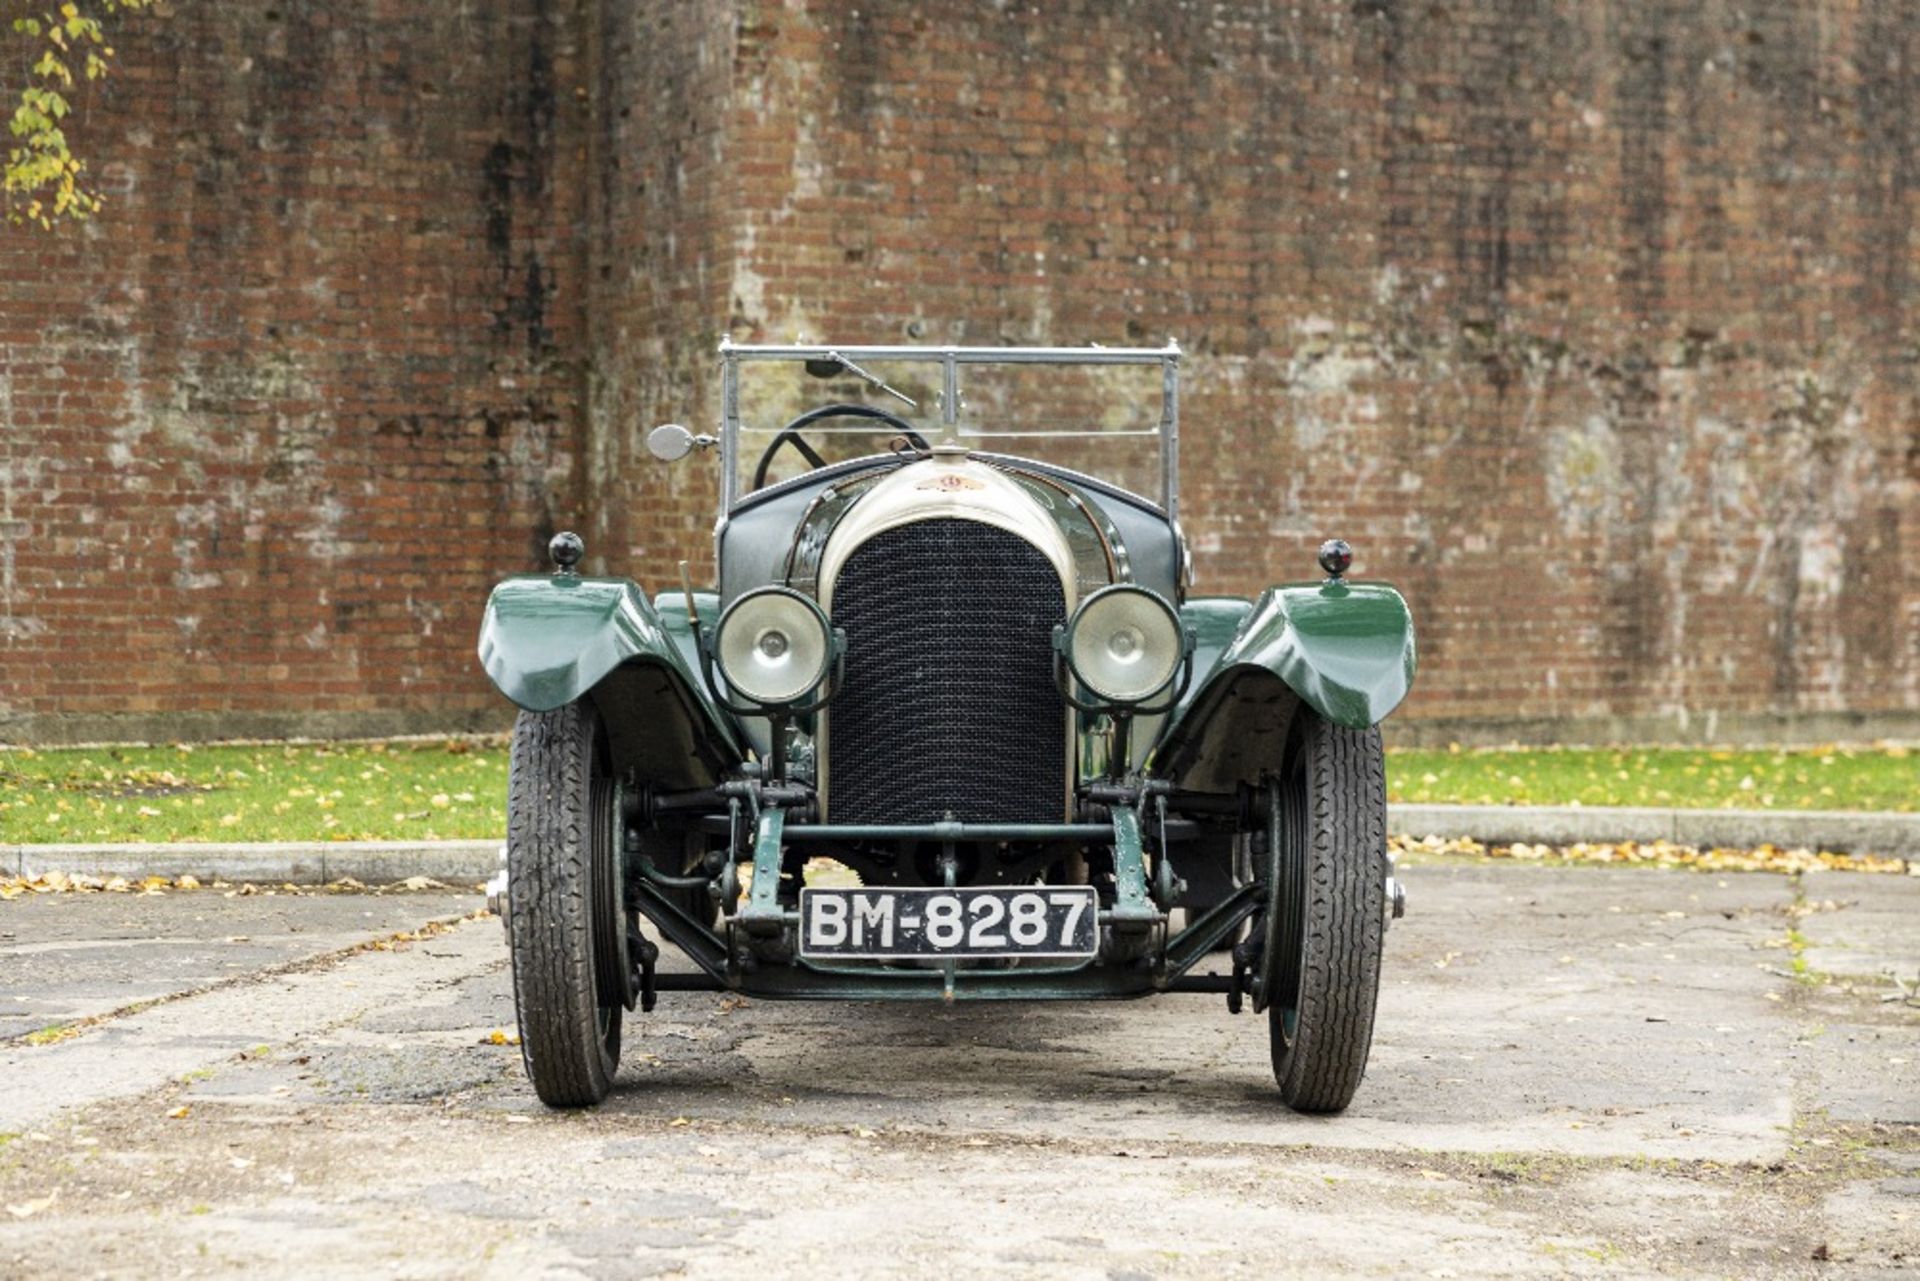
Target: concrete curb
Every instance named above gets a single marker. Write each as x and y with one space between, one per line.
1839 831
470 862
298 863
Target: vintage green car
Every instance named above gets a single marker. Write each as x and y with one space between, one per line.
951 726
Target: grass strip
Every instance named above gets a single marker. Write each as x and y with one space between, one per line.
448 789
444 789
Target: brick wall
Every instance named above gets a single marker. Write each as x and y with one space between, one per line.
272 423
1591 328
664 217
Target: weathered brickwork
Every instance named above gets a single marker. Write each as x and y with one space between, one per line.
1590 325
272 424
664 217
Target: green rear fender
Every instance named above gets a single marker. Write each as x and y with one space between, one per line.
1344 649
547 640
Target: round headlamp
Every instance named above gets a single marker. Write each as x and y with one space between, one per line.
1124 643
773 645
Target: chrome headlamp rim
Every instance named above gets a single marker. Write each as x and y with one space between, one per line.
794 691
1174 638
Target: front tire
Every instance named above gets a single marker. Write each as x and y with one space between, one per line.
1330 835
565 917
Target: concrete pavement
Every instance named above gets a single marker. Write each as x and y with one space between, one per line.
1575 1071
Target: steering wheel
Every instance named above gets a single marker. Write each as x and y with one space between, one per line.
790 434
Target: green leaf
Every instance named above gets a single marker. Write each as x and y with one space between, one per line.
43 169
52 67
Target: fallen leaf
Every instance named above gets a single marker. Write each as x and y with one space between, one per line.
27 1209
179 1113
1758 858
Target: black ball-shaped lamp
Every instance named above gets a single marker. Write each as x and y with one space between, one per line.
566 550
1336 556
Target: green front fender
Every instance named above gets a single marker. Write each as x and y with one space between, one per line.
546 640
1344 649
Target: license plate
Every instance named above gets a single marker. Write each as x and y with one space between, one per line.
910 924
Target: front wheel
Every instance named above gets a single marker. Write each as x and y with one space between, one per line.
566 918
1327 834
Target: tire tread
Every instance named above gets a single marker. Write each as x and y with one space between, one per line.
1322 1066
550 908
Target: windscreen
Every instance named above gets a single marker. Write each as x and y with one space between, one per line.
1103 420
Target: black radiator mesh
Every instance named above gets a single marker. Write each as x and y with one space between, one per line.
949 704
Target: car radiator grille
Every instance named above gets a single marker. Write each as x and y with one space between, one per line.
949 705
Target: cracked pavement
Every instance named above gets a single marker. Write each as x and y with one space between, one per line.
1576 1071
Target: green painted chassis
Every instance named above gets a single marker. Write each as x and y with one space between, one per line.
1345 650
